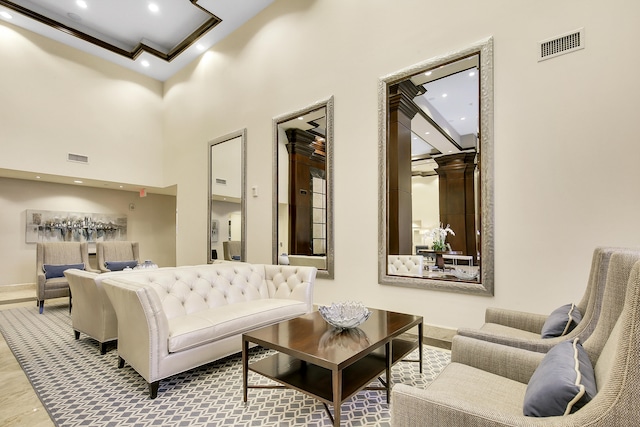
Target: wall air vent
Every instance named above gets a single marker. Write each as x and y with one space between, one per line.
79 158
560 45
221 181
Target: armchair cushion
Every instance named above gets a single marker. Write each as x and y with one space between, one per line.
57 270
120 265
562 384
561 321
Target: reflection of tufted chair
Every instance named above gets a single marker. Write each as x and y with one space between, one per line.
405 265
523 330
92 312
232 250
486 383
57 255
116 251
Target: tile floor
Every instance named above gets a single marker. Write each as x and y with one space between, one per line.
19 405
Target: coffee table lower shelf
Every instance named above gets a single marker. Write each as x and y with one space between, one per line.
316 381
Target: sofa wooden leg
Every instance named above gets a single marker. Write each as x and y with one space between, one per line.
153 389
120 362
41 306
77 334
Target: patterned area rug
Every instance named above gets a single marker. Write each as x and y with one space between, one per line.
79 387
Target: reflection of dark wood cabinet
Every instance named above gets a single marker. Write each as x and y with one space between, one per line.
303 159
456 175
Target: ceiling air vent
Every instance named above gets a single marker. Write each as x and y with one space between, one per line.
77 158
221 181
560 45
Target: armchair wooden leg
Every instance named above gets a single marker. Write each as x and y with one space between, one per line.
120 362
41 305
77 334
103 348
153 389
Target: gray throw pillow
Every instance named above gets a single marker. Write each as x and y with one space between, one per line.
120 265
563 382
561 321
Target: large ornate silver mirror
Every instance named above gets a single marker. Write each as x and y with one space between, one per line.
303 188
227 207
436 173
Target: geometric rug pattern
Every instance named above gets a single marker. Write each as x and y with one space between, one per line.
80 387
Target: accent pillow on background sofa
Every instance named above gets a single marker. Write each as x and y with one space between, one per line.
561 321
563 382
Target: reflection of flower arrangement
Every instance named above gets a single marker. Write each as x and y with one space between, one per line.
439 236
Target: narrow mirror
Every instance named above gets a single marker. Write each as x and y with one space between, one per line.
227 207
436 173
303 188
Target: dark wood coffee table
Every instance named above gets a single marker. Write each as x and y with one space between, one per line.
328 364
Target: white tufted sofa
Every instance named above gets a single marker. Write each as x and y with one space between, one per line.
174 319
405 265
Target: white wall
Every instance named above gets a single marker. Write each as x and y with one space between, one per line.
565 148
425 202
57 100
151 223
563 135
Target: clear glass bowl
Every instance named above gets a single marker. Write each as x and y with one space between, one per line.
465 275
344 315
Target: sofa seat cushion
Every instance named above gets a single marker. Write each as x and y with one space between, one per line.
213 324
57 283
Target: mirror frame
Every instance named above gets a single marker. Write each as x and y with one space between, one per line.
485 286
243 196
328 105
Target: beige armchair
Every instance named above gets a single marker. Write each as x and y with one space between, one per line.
55 257
232 250
116 251
92 313
486 383
523 330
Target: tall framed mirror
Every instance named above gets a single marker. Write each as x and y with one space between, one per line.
303 188
227 197
436 173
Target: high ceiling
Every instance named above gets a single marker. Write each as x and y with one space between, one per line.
152 37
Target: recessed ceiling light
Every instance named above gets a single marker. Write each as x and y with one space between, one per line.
144 63
472 73
122 186
77 181
81 3
444 95
427 133
428 73
153 7
200 47
5 15
463 118
37 176
301 118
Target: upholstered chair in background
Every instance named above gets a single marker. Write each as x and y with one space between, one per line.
51 260
232 250
525 330
117 255
489 384
92 313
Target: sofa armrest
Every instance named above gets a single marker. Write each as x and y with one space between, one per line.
530 322
291 282
509 362
143 328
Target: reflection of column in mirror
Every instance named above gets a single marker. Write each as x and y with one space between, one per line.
456 176
399 203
